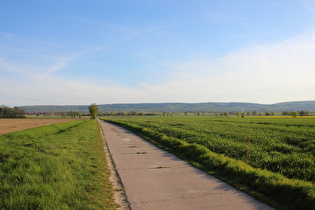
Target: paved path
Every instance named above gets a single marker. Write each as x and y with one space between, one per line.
155 179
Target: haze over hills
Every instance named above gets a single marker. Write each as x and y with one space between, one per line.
181 107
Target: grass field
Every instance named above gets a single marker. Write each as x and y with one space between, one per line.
59 166
272 158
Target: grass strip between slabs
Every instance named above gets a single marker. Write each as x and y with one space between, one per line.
271 188
60 166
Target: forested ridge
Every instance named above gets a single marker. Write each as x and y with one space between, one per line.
181 107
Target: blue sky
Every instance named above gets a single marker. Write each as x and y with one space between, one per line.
57 52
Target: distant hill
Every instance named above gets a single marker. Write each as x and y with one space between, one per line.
182 107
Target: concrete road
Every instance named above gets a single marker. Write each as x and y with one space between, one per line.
155 179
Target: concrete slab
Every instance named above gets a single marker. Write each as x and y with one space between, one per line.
155 179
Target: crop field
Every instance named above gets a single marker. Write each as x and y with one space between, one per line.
58 166
11 125
256 154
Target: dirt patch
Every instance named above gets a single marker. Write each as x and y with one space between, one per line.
11 125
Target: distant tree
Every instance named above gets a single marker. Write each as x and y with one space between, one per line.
302 113
132 113
254 113
6 112
285 113
267 113
93 109
15 112
72 114
294 114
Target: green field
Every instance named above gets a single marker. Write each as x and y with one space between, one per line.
60 166
271 158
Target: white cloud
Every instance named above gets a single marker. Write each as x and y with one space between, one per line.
267 73
53 90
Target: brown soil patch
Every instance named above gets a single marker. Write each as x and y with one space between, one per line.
11 125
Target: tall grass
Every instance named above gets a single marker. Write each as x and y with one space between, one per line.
60 166
285 146
220 148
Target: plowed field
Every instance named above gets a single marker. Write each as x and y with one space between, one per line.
11 125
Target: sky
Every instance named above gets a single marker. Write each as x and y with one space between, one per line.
79 52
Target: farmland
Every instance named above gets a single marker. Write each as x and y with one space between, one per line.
58 166
263 156
11 125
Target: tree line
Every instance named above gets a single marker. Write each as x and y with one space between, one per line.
294 114
8 112
72 114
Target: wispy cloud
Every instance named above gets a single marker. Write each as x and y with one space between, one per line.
56 90
8 36
60 63
135 33
39 69
309 4
39 59
127 32
264 73
55 67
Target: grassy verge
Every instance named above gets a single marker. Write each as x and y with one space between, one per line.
274 189
60 166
